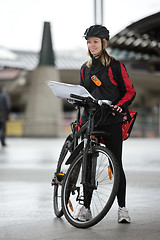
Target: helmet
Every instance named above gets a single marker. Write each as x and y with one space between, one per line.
97 31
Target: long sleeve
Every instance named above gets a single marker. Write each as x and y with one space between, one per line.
126 87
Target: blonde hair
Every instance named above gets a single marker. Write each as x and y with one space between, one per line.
105 58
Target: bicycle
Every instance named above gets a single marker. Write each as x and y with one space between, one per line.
93 173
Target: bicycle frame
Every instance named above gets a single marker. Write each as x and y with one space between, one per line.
85 145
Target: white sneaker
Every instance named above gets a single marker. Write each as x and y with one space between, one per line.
123 216
84 214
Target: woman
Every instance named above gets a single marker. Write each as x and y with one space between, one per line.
106 78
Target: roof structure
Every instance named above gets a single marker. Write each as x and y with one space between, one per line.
23 60
140 40
30 60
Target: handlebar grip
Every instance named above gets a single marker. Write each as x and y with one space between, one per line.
104 102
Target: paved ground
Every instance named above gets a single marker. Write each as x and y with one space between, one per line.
26 167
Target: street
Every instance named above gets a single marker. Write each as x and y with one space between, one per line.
26 212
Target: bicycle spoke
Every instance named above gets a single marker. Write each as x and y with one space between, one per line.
101 198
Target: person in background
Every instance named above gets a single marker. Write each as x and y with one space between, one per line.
5 107
106 79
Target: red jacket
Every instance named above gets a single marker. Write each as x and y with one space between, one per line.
115 83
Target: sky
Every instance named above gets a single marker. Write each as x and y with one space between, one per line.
21 21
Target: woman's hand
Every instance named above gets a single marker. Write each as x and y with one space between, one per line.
116 108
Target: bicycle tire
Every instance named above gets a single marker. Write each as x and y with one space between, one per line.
106 188
65 152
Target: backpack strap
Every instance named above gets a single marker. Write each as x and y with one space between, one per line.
115 71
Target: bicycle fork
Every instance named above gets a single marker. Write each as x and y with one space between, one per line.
89 164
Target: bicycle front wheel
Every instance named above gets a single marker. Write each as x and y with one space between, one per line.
101 197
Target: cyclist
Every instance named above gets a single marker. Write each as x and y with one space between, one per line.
106 78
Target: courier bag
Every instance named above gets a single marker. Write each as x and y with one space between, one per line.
128 122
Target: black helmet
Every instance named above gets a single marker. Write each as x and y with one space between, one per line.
97 31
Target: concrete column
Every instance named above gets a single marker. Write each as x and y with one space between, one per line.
43 110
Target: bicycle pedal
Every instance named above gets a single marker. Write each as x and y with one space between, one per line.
60 176
58 179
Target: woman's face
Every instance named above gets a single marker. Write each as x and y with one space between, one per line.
94 45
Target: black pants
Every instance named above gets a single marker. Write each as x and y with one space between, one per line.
2 131
113 140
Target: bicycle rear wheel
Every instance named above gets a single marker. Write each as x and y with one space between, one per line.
57 181
102 198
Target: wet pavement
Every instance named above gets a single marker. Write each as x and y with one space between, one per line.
26 213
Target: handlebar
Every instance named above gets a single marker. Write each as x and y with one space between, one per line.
89 100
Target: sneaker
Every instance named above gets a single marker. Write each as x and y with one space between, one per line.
123 216
84 214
